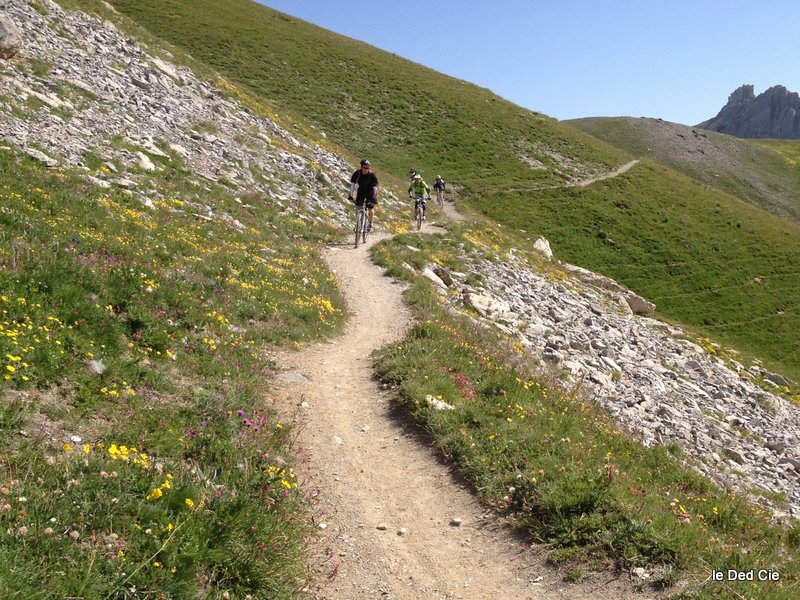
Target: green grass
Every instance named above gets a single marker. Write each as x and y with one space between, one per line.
181 482
553 462
706 259
764 173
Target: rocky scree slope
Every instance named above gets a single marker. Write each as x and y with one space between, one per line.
76 86
650 376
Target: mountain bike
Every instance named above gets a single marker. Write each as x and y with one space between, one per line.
362 224
419 210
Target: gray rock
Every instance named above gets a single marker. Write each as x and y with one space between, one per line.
10 38
772 114
291 377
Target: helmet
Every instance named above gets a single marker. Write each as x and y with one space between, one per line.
417 176
365 163
438 177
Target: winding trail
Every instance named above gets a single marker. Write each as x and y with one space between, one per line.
624 168
394 521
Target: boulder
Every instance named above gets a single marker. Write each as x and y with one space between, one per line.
639 306
10 38
542 246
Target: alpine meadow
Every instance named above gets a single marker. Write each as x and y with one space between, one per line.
172 175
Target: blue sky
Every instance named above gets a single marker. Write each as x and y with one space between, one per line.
674 59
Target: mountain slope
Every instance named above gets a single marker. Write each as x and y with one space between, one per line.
376 104
404 115
147 276
765 173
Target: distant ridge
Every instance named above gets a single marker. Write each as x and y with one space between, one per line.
773 114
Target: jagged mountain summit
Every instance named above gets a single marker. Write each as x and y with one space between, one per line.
772 114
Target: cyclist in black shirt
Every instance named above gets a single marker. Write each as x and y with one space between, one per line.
367 183
438 185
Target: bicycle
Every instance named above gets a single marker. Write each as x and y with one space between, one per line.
362 224
439 197
419 210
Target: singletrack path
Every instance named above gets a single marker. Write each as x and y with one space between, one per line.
389 511
624 168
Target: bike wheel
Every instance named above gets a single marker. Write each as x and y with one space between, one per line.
440 199
418 215
359 225
365 231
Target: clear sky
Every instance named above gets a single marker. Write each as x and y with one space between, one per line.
674 59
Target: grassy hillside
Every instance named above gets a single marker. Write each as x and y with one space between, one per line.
137 445
133 367
703 257
371 102
765 173
377 104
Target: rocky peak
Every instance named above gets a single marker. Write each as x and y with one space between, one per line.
742 95
772 114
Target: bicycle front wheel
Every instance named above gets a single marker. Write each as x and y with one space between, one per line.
418 215
360 225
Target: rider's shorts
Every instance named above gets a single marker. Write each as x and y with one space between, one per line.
370 203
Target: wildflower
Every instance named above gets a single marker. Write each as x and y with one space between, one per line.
189 502
155 494
48 531
74 535
22 531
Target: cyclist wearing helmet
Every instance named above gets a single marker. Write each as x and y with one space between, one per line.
367 182
419 191
438 185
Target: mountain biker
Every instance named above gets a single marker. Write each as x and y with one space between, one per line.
367 182
419 191
438 185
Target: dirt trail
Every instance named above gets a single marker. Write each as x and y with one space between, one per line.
389 510
624 168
